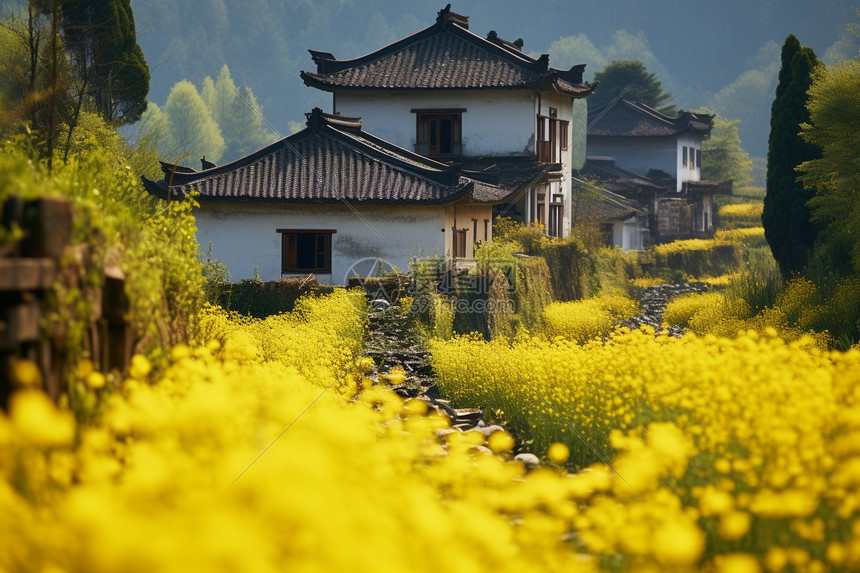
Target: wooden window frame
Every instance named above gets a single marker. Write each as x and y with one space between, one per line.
564 132
556 215
321 251
551 137
458 243
429 131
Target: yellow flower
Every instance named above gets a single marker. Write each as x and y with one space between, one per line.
25 373
678 542
36 419
734 525
140 366
558 453
737 563
500 441
95 380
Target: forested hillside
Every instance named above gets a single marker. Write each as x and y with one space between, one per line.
723 55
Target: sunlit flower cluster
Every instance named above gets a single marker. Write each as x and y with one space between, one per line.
583 320
741 215
722 315
683 308
726 454
239 456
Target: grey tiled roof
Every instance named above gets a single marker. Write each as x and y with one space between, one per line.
509 175
626 183
445 55
600 201
625 118
604 168
331 160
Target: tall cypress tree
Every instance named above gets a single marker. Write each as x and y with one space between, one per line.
101 39
786 216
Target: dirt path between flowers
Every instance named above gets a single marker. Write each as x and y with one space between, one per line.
402 364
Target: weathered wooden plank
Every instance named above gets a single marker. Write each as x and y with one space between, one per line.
22 324
48 221
27 274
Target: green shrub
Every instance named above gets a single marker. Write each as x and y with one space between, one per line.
261 299
759 286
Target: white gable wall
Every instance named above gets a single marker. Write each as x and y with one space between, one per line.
638 154
495 122
244 235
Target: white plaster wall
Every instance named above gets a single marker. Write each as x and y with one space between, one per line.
684 171
627 234
638 154
245 234
465 216
707 213
496 122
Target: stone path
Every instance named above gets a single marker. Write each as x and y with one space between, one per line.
654 302
393 346
401 363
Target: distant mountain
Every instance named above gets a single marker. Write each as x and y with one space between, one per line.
700 49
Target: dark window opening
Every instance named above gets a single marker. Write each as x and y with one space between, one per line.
305 251
556 215
439 133
699 158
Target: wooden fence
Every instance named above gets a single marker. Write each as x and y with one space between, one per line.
35 273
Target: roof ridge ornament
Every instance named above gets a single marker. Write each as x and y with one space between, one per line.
543 62
317 118
445 15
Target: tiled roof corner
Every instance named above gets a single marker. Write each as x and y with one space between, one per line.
625 118
445 55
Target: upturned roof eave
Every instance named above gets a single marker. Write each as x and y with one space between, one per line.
314 81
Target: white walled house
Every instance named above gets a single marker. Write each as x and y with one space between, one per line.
655 160
329 198
642 139
459 98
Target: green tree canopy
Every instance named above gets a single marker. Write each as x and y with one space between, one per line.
834 127
237 113
250 133
193 130
101 40
154 128
723 156
786 217
637 84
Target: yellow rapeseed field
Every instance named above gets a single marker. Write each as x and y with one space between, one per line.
250 452
583 320
726 454
262 447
